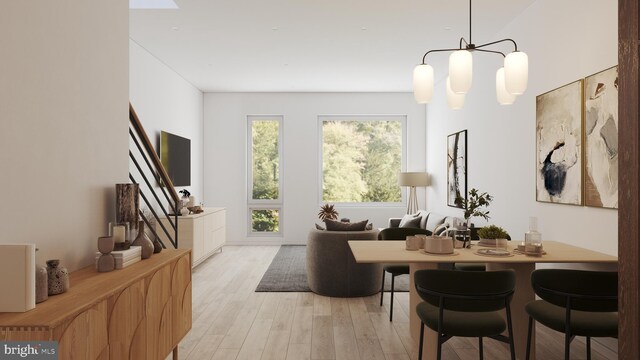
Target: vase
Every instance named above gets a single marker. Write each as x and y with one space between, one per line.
143 241
57 277
157 246
42 287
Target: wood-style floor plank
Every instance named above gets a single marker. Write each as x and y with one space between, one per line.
231 321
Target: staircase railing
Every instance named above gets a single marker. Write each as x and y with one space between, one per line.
151 169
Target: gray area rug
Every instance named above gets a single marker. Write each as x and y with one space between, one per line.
288 273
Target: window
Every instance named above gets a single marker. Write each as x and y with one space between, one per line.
265 173
361 158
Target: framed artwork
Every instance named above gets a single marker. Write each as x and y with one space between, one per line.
457 168
559 145
601 139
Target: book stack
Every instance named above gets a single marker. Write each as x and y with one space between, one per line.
18 283
125 258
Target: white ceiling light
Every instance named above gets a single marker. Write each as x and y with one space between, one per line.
152 4
512 82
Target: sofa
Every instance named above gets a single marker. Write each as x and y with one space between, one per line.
431 221
332 269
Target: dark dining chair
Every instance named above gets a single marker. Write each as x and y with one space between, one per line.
575 302
396 234
466 304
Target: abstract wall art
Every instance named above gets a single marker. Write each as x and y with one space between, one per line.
559 145
601 139
457 168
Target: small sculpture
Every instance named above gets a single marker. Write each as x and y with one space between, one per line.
58 277
106 261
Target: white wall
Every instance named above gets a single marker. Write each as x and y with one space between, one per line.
226 150
565 41
63 123
164 101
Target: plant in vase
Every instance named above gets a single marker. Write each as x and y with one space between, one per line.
475 205
328 211
493 236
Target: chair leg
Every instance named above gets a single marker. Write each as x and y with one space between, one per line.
421 340
510 329
588 348
480 348
567 345
382 287
439 355
393 279
529 338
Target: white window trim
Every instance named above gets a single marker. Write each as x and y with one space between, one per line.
394 117
262 204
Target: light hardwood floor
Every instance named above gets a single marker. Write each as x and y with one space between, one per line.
231 321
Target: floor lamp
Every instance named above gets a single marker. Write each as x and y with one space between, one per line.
412 180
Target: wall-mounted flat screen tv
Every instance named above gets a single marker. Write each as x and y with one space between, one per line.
175 155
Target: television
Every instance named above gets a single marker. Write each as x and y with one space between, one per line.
175 155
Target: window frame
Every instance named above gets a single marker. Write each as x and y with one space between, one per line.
264 204
402 118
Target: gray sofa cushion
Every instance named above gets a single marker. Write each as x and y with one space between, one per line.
410 221
333 225
332 269
433 221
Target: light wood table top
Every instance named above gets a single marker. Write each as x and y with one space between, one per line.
394 252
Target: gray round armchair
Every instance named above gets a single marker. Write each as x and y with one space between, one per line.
331 268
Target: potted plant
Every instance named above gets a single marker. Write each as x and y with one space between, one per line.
475 205
492 232
327 211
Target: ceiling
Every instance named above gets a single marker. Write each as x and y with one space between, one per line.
311 45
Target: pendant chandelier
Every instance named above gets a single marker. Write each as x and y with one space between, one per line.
511 79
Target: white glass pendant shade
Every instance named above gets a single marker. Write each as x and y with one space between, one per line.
423 83
455 101
516 72
504 97
460 71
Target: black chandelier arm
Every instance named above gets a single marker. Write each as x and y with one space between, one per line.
491 51
436 50
466 44
515 45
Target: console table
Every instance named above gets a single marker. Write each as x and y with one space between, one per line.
140 312
203 233
395 252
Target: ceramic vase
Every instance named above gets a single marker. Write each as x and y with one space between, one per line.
143 241
57 277
157 246
42 287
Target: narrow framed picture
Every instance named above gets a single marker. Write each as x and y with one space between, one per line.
559 145
601 139
457 169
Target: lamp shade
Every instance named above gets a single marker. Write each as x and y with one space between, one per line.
516 72
504 97
455 101
461 71
413 179
423 83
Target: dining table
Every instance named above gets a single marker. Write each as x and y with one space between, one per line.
390 252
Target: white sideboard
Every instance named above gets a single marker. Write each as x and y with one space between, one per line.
203 233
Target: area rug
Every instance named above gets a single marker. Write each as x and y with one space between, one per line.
288 273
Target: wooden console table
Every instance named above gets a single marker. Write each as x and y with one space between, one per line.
140 312
557 252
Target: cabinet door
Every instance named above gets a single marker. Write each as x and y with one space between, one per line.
198 239
209 228
85 337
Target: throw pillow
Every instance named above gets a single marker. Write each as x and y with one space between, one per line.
333 225
410 221
440 229
369 226
320 227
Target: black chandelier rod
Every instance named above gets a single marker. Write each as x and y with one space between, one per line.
470 45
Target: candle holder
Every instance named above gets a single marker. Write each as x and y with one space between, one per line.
121 235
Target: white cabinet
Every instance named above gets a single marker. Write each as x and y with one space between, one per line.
203 233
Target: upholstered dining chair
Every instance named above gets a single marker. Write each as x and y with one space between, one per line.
575 302
465 303
396 269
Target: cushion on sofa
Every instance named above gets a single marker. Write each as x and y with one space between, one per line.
333 225
410 221
433 221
